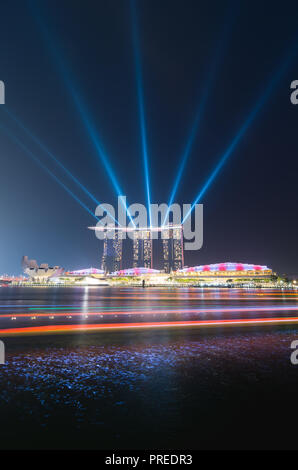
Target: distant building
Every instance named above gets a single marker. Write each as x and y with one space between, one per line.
135 272
85 277
86 272
172 242
173 257
142 249
112 252
226 272
40 273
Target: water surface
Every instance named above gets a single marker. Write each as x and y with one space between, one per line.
187 387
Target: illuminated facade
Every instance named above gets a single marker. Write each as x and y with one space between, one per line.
142 249
135 272
40 273
85 272
112 252
172 242
226 271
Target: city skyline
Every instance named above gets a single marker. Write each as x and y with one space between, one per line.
148 257
86 80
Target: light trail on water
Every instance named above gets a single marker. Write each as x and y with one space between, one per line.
119 326
160 311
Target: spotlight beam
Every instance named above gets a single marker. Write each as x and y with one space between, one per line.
80 106
33 157
247 123
55 159
208 85
140 95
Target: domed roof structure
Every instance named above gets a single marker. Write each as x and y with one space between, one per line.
85 272
227 266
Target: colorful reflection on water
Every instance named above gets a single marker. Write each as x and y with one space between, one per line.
71 309
183 387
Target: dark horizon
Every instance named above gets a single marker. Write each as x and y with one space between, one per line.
224 54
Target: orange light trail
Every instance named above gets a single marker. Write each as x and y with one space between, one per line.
111 326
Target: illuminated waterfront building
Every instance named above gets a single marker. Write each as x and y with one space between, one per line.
226 272
41 273
112 252
138 276
142 271
86 272
172 242
213 275
89 277
142 249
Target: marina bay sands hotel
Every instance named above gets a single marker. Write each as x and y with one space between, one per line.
142 247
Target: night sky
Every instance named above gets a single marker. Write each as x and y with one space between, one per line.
232 49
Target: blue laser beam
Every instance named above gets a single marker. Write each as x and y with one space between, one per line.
98 146
80 106
140 94
33 157
55 159
208 85
247 123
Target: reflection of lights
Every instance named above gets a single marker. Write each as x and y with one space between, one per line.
85 299
160 310
144 299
